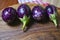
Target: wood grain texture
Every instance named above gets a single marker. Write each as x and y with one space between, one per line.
37 31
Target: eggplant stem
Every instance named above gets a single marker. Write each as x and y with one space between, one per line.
55 22
24 24
25 21
54 19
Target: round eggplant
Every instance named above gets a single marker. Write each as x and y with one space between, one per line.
39 14
52 13
9 14
24 14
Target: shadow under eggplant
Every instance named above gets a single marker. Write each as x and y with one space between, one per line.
15 22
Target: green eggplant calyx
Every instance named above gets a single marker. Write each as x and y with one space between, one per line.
53 18
25 21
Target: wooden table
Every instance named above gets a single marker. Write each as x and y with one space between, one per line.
37 31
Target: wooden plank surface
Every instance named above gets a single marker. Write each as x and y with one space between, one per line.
37 31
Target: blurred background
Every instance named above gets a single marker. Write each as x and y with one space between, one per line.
5 3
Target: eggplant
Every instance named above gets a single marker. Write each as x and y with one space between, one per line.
23 13
9 14
51 10
39 14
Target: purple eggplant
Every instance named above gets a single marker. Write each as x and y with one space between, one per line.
24 14
9 14
52 13
39 14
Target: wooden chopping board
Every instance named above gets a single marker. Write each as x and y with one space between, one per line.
37 31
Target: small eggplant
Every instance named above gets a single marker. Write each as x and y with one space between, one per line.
9 14
52 13
39 14
23 13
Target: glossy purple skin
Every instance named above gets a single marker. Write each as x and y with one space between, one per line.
23 10
50 9
37 13
9 14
